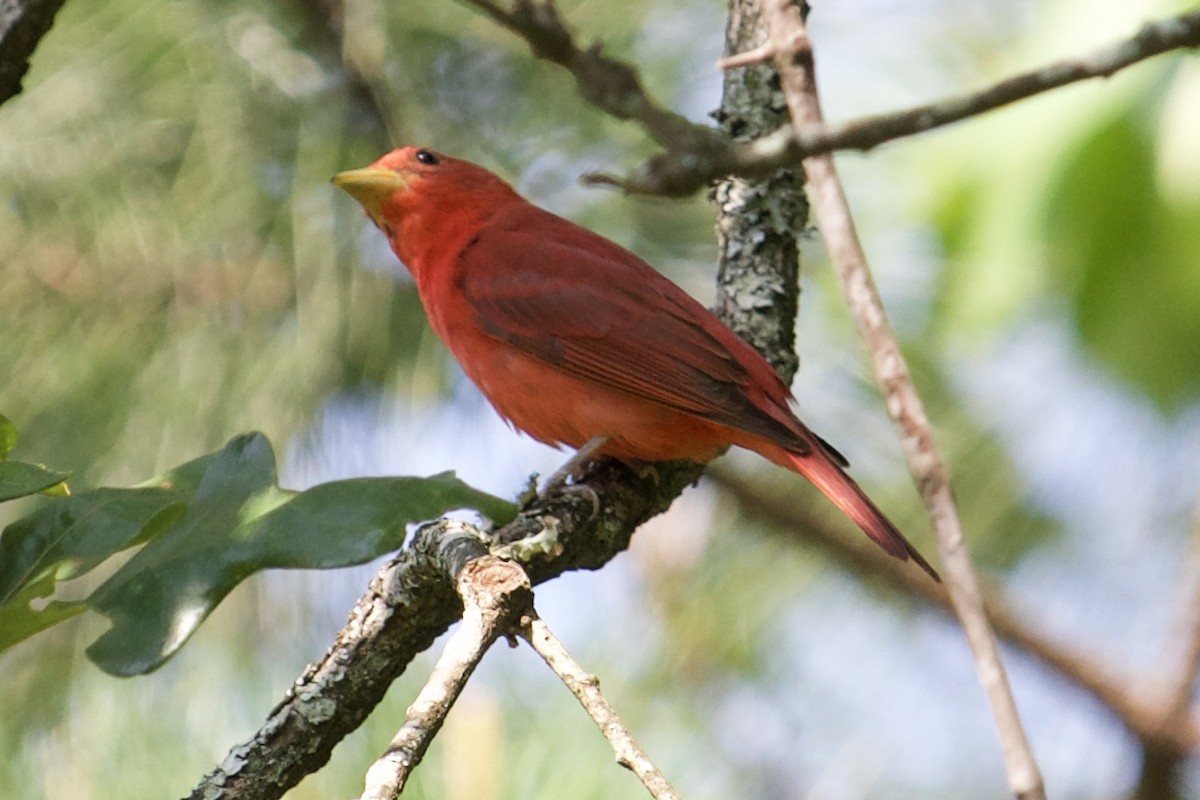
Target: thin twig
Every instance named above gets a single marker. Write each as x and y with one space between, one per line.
586 689
1152 39
794 60
755 55
680 171
494 593
607 83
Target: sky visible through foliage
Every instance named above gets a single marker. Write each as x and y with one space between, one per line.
176 269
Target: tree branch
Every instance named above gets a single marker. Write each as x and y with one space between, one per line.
759 221
495 595
1116 692
1153 39
411 602
1179 665
607 83
23 23
794 60
696 155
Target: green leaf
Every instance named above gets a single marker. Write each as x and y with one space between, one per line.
18 479
207 525
19 621
1125 257
8 437
240 522
70 535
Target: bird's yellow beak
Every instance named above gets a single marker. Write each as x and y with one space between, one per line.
370 187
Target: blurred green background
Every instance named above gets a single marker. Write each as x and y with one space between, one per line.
175 268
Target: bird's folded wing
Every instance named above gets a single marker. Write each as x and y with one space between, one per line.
595 311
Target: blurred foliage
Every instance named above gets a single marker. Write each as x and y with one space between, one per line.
175 269
1084 203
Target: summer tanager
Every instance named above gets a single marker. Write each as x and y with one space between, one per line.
576 340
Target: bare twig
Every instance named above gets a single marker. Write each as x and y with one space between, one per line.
586 689
607 83
678 172
755 55
1117 692
1153 39
794 60
495 594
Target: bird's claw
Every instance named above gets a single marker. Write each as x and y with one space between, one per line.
558 481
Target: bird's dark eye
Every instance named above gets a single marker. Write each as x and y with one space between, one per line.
426 157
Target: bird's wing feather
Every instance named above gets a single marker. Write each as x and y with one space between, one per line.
592 309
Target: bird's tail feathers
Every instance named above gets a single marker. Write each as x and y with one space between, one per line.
847 495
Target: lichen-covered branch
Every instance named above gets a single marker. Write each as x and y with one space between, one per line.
409 603
759 220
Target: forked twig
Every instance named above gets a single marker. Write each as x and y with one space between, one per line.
494 594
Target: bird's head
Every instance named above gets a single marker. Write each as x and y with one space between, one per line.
418 182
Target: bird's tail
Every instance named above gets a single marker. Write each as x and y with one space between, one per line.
820 467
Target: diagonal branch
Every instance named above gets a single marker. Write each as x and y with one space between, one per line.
680 171
794 60
607 83
1116 692
1153 39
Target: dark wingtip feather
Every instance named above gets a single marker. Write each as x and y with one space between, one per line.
921 562
822 469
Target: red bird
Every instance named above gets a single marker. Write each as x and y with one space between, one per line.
576 341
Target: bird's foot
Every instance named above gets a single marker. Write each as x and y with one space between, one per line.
558 480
